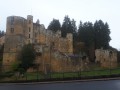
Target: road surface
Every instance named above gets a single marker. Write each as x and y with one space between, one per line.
91 85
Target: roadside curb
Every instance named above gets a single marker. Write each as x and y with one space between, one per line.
67 81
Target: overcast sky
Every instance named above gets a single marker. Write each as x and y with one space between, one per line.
84 10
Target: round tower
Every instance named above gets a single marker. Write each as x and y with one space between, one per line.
15 25
14 40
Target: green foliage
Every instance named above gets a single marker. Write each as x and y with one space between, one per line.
15 66
54 25
94 36
74 30
6 74
74 27
68 26
27 56
102 34
97 34
2 33
86 33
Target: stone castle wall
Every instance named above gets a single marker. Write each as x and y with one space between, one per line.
15 25
106 58
21 31
55 61
2 40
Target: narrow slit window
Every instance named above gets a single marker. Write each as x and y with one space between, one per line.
29 35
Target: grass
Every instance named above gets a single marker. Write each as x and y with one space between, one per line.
61 75
32 76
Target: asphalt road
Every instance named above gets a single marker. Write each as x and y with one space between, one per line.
93 85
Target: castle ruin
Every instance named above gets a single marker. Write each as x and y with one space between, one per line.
106 58
21 31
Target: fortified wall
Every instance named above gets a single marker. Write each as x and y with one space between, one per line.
21 31
106 58
2 40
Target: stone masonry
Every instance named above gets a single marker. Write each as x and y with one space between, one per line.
106 58
21 31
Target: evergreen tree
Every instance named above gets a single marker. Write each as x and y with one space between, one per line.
97 34
74 30
102 34
86 33
54 25
94 36
2 33
74 27
66 26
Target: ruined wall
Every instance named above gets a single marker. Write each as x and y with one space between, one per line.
14 39
70 43
15 25
40 36
21 31
8 60
29 30
106 58
55 61
64 45
2 40
12 46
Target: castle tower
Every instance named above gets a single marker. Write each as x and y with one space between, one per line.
15 25
30 32
14 39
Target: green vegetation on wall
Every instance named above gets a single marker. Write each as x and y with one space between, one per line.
27 56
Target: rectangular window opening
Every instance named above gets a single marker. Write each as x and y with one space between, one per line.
12 30
29 35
